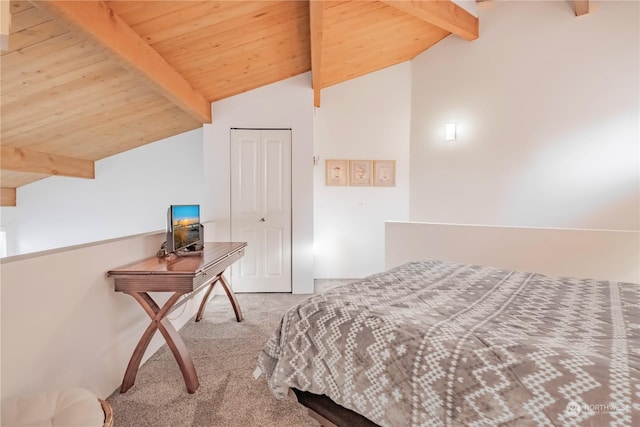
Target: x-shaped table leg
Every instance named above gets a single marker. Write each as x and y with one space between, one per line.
232 298
171 336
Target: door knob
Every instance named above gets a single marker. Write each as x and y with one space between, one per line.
262 220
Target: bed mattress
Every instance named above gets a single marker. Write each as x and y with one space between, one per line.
438 343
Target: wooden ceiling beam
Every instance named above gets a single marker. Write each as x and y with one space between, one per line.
441 13
103 25
24 160
7 196
316 17
5 24
581 7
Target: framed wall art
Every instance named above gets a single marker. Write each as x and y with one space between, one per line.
384 173
360 172
336 172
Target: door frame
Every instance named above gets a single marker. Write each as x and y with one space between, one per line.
290 225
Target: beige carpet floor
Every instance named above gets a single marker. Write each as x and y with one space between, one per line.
225 354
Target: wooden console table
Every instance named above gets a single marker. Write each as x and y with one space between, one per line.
180 275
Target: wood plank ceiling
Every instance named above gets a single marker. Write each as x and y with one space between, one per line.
84 80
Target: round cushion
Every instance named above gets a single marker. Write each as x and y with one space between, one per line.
69 407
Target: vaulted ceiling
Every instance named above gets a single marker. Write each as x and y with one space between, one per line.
83 80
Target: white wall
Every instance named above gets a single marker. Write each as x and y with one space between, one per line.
547 106
366 118
286 104
596 254
129 195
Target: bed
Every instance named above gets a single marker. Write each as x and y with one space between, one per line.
440 343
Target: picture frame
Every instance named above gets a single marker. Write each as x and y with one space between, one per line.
384 173
336 172
360 173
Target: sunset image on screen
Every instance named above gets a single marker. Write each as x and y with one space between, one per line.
186 225
184 216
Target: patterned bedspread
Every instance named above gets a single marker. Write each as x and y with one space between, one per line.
436 343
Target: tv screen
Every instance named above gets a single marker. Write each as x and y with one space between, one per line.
184 229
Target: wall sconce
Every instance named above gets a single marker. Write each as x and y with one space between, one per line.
450 132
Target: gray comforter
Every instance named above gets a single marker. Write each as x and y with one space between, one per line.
436 343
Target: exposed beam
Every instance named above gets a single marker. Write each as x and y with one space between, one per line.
5 24
441 13
100 22
581 7
316 16
23 160
7 196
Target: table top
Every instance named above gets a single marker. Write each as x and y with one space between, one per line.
176 265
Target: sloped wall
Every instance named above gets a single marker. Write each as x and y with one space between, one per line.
285 104
129 195
547 107
367 118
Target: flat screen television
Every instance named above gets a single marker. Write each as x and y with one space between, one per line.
184 231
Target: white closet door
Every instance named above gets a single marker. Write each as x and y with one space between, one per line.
261 209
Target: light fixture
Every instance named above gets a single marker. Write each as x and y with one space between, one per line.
450 132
